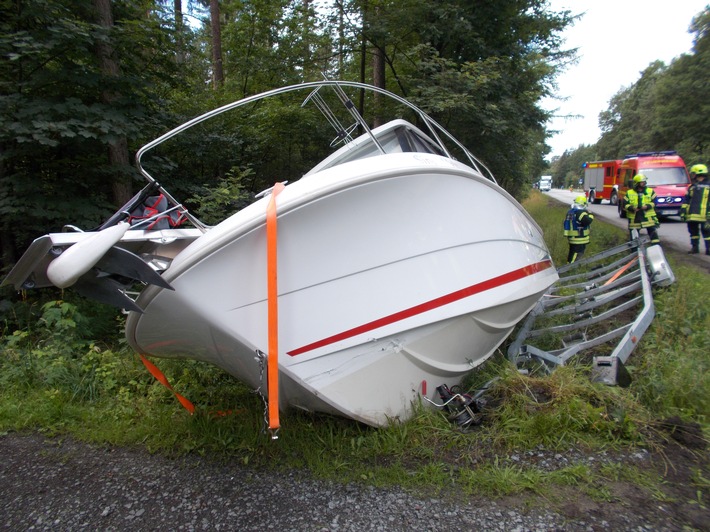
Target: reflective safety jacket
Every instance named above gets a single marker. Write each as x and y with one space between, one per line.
639 208
576 225
697 202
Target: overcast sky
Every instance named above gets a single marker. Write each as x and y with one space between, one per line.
617 39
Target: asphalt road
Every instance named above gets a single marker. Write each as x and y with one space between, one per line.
673 233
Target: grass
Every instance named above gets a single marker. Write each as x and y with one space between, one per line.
550 218
57 378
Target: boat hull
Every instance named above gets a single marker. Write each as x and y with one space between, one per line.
396 274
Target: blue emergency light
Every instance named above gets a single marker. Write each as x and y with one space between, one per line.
650 153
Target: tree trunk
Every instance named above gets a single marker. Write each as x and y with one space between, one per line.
378 80
217 69
179 28
117 150
7 247
378 76
177 7
363 60
341 39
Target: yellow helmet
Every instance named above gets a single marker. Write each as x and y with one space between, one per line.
640 178
580 200
699 169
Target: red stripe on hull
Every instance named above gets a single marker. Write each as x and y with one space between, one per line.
495 282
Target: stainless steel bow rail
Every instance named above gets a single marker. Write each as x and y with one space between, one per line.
597 301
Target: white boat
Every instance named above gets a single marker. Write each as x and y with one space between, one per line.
399 269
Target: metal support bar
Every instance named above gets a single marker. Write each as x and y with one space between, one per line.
614 286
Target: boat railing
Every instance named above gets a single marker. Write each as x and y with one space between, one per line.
436 130
601 306
343 134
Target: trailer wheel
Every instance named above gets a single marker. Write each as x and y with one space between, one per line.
614 199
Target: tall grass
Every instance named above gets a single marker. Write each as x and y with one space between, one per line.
550 217
55 377
673 362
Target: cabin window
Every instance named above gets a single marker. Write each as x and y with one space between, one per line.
398 139
421 144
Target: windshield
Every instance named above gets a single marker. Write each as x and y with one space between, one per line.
397 140
397 136
665 176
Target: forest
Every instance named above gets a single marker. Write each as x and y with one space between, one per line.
85 84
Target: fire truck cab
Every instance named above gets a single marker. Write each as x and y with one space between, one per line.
601 181
665 172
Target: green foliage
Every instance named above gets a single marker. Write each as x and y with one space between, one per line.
215 203
497 479
482 70
481 79
628 126
563 409
682 111
62 110
47 354
567 170
52 376
272 43
673 377
496 63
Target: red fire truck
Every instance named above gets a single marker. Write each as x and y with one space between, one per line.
665 172
601 181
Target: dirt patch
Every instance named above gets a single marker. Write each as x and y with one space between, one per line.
670 493
688 435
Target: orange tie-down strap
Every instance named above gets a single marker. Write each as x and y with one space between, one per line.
272 374
620 271
272 370
164 381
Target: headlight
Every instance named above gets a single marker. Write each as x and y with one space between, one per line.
661 200
677 200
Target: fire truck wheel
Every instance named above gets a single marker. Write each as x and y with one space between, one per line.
614 199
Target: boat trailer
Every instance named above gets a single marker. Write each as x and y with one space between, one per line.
596 301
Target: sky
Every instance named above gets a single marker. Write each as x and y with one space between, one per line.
616 41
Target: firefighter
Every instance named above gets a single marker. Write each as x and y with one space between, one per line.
639 208
576 227
696 208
